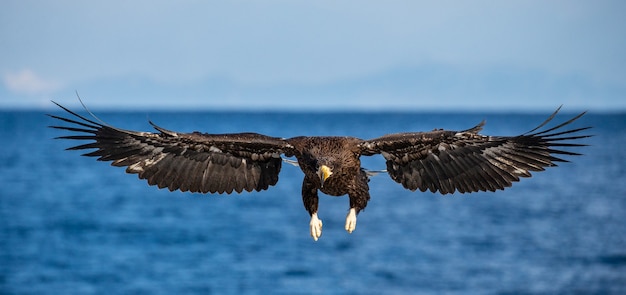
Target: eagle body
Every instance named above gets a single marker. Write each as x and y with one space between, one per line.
340 155
441 161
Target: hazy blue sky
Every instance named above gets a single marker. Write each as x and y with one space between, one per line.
408 55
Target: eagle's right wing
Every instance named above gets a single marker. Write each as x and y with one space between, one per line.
466 161
195 162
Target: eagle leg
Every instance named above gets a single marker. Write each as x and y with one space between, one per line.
311 202
315 226
359 197
351 220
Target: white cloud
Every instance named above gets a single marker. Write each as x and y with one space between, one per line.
28 82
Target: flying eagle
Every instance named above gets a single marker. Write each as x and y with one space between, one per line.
439 161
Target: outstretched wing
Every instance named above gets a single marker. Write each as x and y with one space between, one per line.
195 162
465 161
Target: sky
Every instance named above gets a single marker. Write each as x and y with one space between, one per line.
314 55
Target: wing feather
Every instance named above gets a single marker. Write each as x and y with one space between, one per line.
195 162
465 161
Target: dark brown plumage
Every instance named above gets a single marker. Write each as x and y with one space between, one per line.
439 161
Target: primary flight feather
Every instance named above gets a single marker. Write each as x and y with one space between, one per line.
439 161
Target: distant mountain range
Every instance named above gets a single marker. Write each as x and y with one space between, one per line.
415 88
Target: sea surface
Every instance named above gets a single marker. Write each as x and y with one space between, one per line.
73 225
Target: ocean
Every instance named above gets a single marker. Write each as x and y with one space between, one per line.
72 225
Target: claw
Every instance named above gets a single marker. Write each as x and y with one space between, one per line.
351 220
315 226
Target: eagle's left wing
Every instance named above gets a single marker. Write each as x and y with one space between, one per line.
465 161
195 162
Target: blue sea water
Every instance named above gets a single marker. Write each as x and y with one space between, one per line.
72 225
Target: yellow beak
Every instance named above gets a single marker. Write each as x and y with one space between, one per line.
324 172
